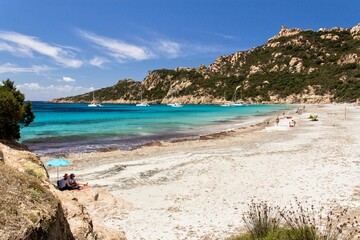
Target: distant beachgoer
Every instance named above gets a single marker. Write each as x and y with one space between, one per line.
277 120
292 123
62 183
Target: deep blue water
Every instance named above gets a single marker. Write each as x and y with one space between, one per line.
64 128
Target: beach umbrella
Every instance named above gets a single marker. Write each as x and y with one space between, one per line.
57 162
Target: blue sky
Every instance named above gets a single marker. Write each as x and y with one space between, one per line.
53 48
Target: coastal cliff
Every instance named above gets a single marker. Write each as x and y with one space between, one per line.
31 207
294 66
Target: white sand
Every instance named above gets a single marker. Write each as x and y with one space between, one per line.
198 189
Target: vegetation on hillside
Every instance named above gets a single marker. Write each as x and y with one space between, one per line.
25 203
14 112
325 62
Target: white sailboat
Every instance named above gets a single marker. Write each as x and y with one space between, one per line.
94 103
225 104
174 104
237 103
142 104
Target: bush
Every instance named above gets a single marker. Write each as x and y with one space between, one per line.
263 222
261 219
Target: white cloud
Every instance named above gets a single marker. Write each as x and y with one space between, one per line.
10 68
37 92
118 49
19 44
98 61
172 49
68 79
30 86
15 50
225 36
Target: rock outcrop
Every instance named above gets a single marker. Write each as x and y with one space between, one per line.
284 32
355 31
29 208
91 213
32 208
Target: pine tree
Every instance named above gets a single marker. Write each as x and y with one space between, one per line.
14 112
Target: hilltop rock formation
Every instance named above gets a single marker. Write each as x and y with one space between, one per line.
294 66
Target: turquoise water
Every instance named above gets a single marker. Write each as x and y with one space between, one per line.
64 128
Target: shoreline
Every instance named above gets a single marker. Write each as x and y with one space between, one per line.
220 131
160 143
220 120
200 188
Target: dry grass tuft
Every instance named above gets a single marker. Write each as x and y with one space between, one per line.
24 201
263 222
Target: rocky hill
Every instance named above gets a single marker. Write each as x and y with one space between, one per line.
294 66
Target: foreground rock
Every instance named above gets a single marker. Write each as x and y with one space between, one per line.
29 209
90 213
32 208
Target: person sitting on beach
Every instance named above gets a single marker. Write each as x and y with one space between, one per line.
62 183
71 183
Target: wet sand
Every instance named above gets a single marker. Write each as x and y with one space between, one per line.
200 188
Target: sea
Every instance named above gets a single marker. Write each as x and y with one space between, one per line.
73 128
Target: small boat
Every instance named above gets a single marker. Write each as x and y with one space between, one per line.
176 105
237 103
94 103
225 104
142 104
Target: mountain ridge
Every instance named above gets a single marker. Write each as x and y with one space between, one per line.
294 66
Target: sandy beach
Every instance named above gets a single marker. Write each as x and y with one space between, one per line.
199 189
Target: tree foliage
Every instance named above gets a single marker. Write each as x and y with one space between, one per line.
14 112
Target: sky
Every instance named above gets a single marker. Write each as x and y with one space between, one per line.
53 48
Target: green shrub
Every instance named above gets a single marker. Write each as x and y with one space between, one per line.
261 219
263 222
